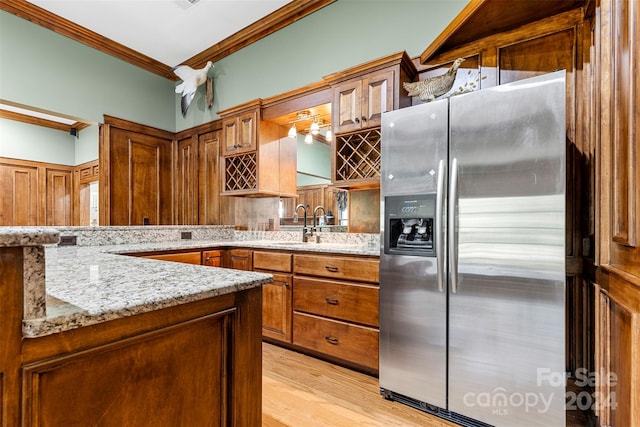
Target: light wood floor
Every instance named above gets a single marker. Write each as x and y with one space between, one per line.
298 390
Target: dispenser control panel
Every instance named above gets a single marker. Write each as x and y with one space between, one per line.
409 224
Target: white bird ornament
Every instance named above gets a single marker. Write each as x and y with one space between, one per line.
191 79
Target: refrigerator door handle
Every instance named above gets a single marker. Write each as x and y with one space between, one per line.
453 244
438 227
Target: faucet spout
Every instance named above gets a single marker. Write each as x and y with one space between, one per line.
305 231
315 214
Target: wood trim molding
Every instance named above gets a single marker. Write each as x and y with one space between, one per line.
275 21
481 18
377 64
24 118
137 127
488 45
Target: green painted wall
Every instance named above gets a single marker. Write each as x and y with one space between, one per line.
344 34
42 144
43 69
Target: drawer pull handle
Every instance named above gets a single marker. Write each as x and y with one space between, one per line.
331 268
331 340
332 301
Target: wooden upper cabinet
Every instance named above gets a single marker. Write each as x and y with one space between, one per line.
240 132
362 93
360 96
361 102
136 181
259 159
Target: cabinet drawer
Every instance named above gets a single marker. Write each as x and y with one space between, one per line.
360 269
345 301
185 257
273 261
357 344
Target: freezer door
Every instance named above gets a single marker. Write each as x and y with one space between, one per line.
413 299
507 259
414 140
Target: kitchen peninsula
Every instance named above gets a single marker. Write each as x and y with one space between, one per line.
90 337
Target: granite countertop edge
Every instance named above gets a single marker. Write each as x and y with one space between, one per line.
87 285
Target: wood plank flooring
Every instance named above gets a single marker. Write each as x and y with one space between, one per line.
298 390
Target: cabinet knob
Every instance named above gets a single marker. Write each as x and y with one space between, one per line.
364 119
357 120
332 301
331 340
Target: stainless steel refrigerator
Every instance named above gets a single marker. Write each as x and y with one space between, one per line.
472 265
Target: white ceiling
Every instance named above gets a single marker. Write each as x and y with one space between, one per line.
169 31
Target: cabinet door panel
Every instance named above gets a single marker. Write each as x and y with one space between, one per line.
212 258
209 178
247 136
139 184
187 182
239 259
126 382
229 134
19 201
58 197
276 308
347 101
377 98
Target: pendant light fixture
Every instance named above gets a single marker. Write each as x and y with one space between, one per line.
293 132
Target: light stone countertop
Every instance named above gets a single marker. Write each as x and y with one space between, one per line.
86 285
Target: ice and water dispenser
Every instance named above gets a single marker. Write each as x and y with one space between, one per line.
409 225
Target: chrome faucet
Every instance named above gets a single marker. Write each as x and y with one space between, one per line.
305 231
315 212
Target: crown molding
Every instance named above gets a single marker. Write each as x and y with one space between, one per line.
273 22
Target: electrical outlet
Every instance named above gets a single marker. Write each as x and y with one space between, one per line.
67 241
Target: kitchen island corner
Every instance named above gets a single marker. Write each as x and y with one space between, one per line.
189 357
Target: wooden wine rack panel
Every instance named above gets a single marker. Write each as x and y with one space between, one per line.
241 172
358 156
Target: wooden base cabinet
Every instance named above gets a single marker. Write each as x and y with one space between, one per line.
617 355
335 308
346 341
195 364
147 380
276 296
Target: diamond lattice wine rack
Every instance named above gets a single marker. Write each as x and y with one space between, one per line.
358 156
